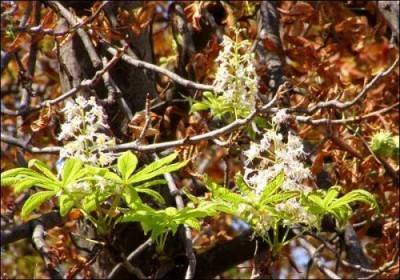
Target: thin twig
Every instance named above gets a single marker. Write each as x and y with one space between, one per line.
138 147
147 121
85 84
142 64
44 250
359 97
309 120
18 232
321 266
38 29
131 256
6 56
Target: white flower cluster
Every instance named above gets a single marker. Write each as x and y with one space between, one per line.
285 159
83 120
295 213
272 156
236 78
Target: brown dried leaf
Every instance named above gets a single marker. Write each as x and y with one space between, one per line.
44 118
300 9
22 38
143 17
74 214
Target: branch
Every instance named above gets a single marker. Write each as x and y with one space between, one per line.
18 232
347 104
28 147
38 29
85 84
354 248
227 255
142 64
309 120
94 58
6 56
320 264
131 256
43 249
195 139
268 29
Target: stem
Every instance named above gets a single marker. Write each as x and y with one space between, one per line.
114 204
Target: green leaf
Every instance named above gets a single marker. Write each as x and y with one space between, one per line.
65 203
113 177
71 167
153 194
127 164
35 201
9 181
43 168
209 95
12 173
152 183
316 200
157 168
332 193
272 187
193 223
199 106
243 186
89 202
24 185
275 198
356 195
171 211
131 196
192 198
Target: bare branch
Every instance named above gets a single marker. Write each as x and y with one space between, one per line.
38 29
6 56
94 58
142 64
309 119
131 256
18 232
44 250
348 104
320 264
85 84
28 147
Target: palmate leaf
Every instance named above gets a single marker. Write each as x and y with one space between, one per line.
193 223
331 195
151 183
43 168
127 164
35 201
27 183
356 195
89 202
65 203
152 193
157 168
199 106
279 197
243 186
72 167
131 197
9 181
8 177
272 187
